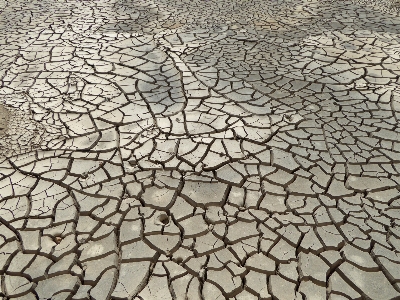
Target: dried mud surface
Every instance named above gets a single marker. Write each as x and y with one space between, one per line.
199 150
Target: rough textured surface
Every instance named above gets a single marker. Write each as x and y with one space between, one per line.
199 149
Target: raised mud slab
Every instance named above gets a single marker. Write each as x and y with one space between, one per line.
199 149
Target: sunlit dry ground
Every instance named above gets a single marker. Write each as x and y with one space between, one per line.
199 150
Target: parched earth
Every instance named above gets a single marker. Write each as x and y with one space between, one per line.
199 149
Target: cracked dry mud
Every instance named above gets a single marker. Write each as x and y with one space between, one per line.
189 149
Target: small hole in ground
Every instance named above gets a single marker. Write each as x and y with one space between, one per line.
179 260
163 218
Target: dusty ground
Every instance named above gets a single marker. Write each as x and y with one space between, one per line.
4 117
199 149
